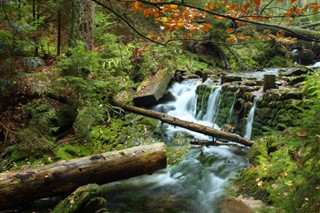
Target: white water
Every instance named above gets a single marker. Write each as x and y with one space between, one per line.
316 65
199 115
232 106
184 107
213 105
250 120
195 184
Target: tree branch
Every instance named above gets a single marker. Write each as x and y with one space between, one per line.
125 21
264 24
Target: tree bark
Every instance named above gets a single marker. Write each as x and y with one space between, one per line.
186 124
21 186
202 143
82 23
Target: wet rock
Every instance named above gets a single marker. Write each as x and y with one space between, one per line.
297 72
226 79
168 96
202 75
179 75
296 80
242 88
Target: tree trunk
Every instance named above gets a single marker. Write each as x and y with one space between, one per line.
59 30
82 23
186 124
269 82
21 186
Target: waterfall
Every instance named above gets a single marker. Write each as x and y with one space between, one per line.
202 105
213 103
250 119
197 182
231 109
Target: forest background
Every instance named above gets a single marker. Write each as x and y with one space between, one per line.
63 61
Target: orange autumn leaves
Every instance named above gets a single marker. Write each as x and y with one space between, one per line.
172 17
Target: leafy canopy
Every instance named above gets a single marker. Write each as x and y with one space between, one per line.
183 20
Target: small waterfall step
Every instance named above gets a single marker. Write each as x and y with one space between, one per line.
250 119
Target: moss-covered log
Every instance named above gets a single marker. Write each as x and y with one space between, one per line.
186 124
21 186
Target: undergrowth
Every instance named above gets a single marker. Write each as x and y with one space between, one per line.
285 166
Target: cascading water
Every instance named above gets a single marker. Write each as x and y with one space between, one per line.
232 106
247 133
213 104
199 115
195 184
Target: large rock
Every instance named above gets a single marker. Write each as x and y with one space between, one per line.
152 89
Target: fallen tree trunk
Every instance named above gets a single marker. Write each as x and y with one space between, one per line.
186 124
21 186
209 143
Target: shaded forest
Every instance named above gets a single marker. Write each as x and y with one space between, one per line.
63 63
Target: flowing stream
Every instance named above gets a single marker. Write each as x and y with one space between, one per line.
198 182
250 119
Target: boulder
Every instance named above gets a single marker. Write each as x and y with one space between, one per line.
152 89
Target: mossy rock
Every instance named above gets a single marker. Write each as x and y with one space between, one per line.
86 199
296 80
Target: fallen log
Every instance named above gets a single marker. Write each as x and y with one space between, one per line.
202 143
21 186
186 124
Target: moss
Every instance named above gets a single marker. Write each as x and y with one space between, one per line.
85 199
72 151
258 153
277 61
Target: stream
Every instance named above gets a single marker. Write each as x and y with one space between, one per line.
197 183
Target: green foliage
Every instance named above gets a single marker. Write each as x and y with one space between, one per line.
190 62
286 166
79 61
86 118
71 151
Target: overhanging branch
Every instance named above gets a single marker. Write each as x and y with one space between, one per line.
125 21
312 36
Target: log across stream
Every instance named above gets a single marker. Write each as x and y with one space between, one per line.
195 184
19 187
